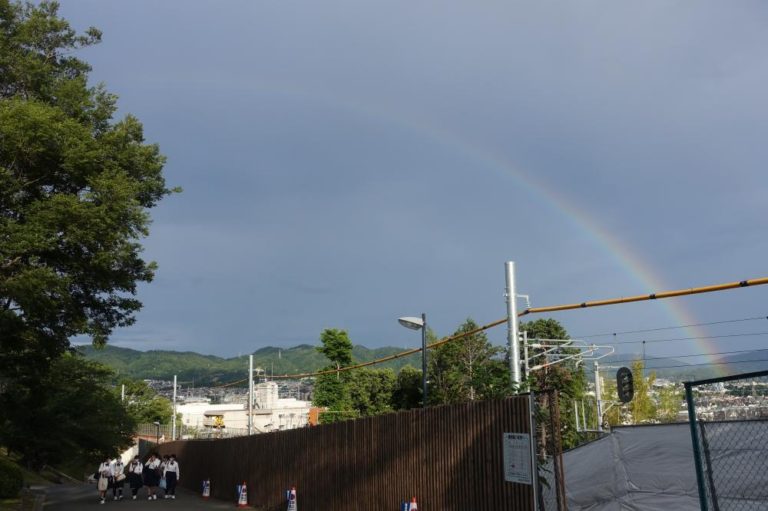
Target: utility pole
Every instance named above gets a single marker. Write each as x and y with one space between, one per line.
512 325
173 419
598 397
250 394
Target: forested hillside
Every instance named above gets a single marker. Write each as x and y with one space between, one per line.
203 370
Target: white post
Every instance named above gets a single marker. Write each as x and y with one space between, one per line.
250 394
512 325
122 393
173 419
598 397
526 366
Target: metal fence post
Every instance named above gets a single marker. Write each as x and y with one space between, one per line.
696 451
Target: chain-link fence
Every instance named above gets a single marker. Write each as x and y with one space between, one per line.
729 429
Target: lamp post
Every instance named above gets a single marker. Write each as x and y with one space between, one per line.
420 324
157 424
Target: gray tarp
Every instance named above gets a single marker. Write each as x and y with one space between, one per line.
639 468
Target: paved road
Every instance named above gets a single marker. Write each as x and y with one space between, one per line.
74 497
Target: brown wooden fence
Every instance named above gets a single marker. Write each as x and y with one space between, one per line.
448 457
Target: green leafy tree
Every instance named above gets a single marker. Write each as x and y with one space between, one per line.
143 403
75 190
72 413
407 392
336 346
670 400
466 369
371 391
567 378
332 391
642 406
613 415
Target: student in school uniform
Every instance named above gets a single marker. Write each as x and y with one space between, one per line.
162 481
152 476
171 474
118 478
105 476
135 469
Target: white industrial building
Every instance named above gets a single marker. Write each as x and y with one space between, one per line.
270 413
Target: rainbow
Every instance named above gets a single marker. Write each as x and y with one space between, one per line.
621 253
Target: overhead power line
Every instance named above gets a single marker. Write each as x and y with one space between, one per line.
627 332
683 356
700 338
533 310
711 364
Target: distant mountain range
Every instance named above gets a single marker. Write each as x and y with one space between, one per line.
201 370
680 370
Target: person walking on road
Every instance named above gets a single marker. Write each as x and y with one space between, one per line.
163 463
152 476
105 476
135 469
171 474
118 478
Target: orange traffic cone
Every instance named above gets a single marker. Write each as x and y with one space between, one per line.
206 488
414 506
242 498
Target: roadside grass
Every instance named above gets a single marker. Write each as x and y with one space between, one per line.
46 477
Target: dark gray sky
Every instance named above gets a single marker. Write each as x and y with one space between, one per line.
346 163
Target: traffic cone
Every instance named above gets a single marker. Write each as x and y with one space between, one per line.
242 496
414 506
206 488
292 504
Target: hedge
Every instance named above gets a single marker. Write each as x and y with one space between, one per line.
11 479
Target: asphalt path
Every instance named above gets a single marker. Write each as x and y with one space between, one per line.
74 497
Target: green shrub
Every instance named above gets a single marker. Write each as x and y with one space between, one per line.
11 479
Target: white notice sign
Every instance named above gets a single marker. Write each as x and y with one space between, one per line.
517 458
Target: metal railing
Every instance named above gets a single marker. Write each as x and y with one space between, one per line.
164 433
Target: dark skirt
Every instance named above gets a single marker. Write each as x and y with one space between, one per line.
151 477
135 480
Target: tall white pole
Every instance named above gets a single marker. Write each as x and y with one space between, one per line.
122 393
599 397
173 419
250 394
512 325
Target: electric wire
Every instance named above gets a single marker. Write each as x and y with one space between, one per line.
698 338
710 364
685 356
670 327
530 310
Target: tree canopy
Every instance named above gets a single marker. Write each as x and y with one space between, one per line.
467 369
76 187
72 412
75 190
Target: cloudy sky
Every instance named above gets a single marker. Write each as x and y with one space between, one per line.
345 163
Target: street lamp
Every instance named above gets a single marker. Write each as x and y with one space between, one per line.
420 324
157 424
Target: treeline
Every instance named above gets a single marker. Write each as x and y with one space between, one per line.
466 369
